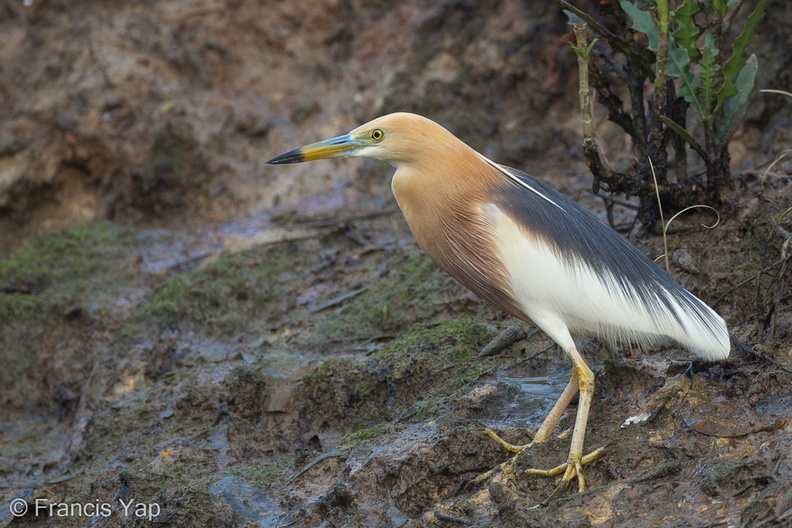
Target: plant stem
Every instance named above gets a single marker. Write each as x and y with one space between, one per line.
584 92
657 141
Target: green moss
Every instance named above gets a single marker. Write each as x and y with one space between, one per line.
187 490
267 476
459 337
17 306
451 346
92 444
365 433
62 282
407 295
330 369
76 263
28 447
422 408
236 292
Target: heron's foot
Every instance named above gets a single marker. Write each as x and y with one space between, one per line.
572 468
507 468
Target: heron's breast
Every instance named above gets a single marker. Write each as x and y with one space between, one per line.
457 234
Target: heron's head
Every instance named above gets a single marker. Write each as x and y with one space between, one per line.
396 138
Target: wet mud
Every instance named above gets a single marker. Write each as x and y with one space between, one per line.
189 340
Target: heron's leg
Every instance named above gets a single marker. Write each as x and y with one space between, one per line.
582 380
542 434
551 420
573 466
549 423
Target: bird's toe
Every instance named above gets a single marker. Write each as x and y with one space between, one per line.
514 448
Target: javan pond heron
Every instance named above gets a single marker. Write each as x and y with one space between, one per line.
526 248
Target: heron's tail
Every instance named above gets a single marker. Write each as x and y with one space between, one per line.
700 329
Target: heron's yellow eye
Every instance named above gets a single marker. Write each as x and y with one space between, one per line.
377 134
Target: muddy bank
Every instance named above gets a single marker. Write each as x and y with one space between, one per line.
157 366
217 344
160 114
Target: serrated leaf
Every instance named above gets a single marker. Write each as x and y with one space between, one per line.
727 92
735 108
679 66
642 22
736 62
687 31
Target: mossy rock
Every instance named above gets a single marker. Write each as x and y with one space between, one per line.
428 362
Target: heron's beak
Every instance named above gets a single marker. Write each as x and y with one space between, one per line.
336 147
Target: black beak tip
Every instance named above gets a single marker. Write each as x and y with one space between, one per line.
293 156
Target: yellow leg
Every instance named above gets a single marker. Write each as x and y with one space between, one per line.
542 434
551 420
549 423
574 465
582 380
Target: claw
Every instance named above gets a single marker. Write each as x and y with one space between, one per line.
571 469
505 466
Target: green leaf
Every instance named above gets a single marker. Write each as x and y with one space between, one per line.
735 108
727 92
685 135
586 52
687 31
720 7
591 47
736 62
679 66
642 22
